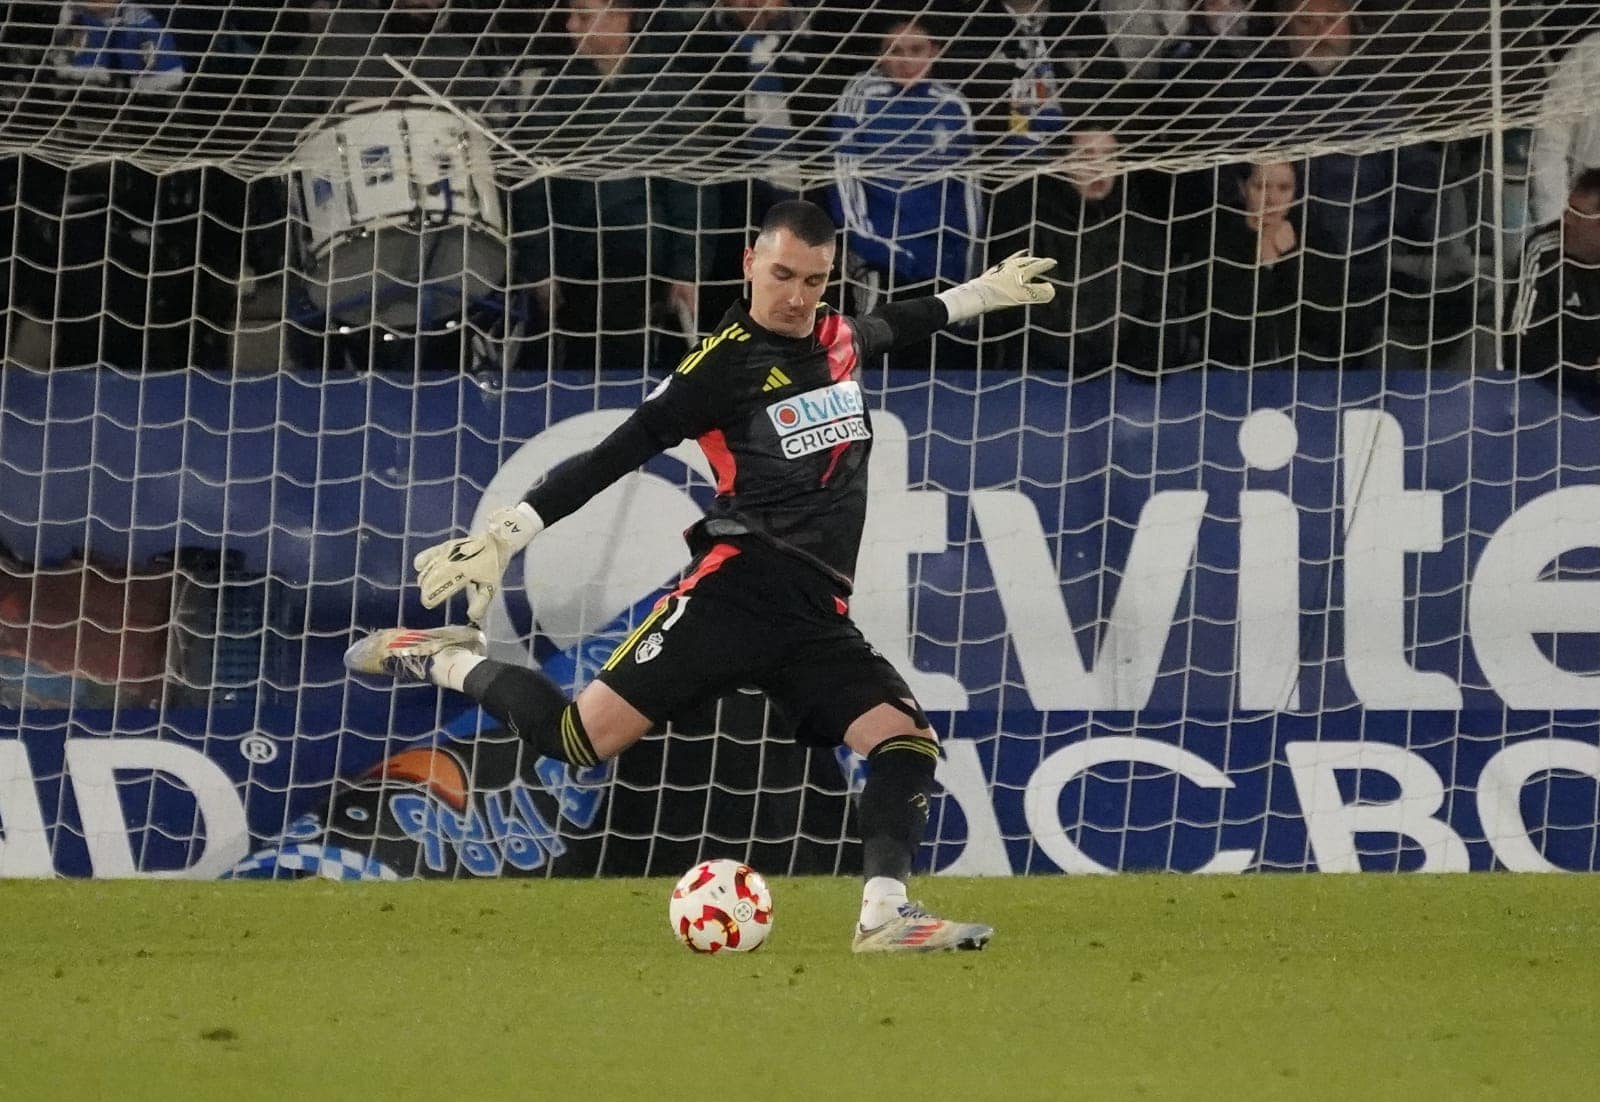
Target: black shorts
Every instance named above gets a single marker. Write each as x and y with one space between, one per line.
747 615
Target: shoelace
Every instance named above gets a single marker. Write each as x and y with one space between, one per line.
414 664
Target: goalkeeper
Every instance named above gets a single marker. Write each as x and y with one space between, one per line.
774 399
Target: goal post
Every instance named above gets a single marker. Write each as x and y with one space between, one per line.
1269 544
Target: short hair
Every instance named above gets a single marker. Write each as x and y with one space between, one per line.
890 25
807 221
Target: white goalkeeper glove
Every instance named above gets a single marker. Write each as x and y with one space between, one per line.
476 563
1012 282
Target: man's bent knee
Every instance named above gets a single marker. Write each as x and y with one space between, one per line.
881 723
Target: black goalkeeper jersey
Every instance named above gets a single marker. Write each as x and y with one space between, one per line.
783 423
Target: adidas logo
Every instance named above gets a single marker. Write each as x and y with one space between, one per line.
776 379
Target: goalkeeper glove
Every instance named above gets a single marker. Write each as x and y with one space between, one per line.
475 563
1012 282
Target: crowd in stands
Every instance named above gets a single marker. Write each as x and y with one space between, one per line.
942 135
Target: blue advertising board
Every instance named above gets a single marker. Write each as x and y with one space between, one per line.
1210 621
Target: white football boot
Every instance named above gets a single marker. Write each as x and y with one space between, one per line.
914 930
404 653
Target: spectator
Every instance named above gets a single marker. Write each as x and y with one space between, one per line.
594 247
1355 203
1321 33
1141 32
1568 141
909 215
1213 71
1213 74
119 67
770 81
1252 291
1108 256
1554 320
1020 57
1020 54
115 43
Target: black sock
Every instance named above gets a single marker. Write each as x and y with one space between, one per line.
534 709
894 804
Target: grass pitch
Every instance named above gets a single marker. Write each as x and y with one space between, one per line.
1107 987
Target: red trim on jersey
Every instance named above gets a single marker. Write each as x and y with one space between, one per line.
838 337
712 561
833 461
715 445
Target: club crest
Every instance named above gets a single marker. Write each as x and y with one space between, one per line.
648 649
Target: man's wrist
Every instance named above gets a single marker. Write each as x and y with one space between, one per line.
963 303
517 526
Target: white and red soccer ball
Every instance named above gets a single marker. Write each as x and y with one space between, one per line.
721 906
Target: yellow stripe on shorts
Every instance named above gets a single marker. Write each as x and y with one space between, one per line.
633 638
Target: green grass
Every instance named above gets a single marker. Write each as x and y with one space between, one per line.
1161 986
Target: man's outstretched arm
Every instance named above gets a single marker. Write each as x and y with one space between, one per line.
1015 281
476 563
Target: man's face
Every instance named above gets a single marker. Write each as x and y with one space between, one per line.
1319 33
598 29
1580 227
787 279
1088 172
100 9
908 54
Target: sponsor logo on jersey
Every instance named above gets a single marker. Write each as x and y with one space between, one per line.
820 419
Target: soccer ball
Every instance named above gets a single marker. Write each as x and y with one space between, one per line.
721 905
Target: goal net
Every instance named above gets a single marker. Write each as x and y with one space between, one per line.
1270 543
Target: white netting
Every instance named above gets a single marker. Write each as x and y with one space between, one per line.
176 84
412 254
513 185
